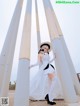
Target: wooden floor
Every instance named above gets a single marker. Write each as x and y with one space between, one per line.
36 103
44 103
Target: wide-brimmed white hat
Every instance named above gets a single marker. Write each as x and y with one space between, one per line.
47 44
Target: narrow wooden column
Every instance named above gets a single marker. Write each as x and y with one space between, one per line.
7 54
61 62
60 34
37 25
22 84
71 67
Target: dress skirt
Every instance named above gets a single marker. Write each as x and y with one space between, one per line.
40 85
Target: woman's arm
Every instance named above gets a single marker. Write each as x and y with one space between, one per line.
36 64
39 60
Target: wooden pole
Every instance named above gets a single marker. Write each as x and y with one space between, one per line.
22 84
37 25
7 54
61 62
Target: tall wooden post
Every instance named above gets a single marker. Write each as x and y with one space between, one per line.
61 61
22 84
68 58
7 54
37 25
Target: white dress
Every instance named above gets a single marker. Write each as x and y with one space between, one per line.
40 85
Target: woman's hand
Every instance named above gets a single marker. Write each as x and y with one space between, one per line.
34 65
31 66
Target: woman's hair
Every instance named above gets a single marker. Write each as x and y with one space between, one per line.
42 50
45 44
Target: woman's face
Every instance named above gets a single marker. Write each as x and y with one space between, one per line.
46 49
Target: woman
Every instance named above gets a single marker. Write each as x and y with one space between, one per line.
41 84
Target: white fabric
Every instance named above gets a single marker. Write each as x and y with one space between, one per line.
55 89
41 85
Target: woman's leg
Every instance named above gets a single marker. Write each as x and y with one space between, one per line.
49 97
53 90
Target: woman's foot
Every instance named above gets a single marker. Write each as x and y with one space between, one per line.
49 102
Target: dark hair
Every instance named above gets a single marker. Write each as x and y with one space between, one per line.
42 50
46 45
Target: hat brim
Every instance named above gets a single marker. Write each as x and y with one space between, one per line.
46 43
